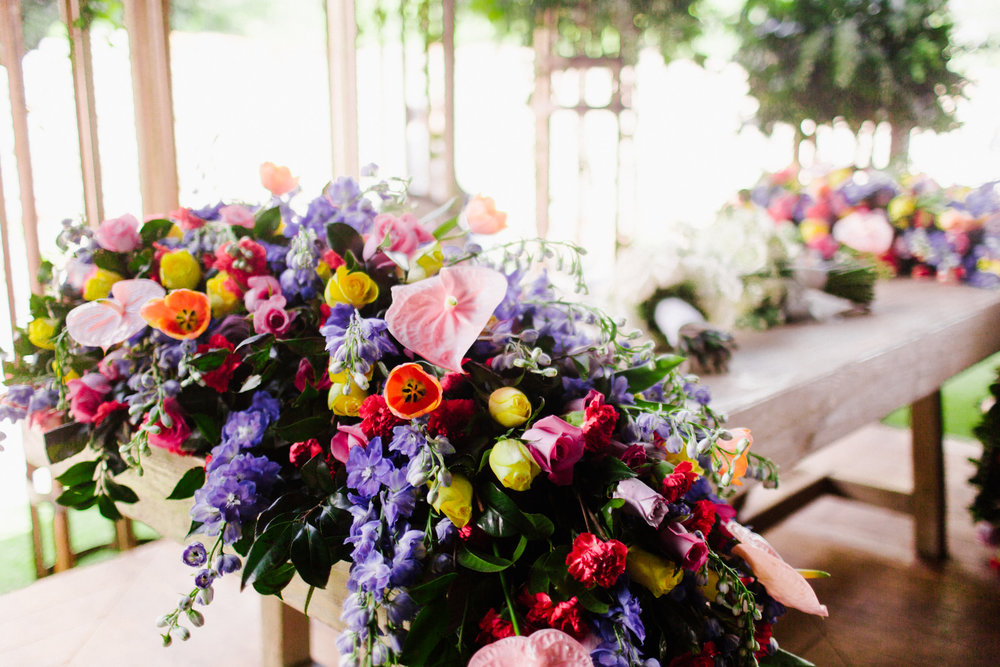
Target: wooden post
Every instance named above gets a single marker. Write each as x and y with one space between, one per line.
928 478
8 269
542 102
12 52
285 634
149 47
86 116
448 46
341 36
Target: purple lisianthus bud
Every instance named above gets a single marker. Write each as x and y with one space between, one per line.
204 578
642 500
195 555
556 446
227 563
684 547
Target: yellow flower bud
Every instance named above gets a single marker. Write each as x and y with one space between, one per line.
427 265
901 206
345 397
98 285
657 574
455 501
179 270
513 464
509 406
40 332
222 299
811 228
353 287
175 232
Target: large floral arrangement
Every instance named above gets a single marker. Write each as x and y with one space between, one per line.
498 468
915 227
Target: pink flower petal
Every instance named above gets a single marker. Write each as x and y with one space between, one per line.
132 295
865 231
781 580
440 318
545 648
109 321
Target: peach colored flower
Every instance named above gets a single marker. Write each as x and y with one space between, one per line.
482 216
277 179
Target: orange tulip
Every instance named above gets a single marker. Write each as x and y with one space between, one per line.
411 392
182 314
731 457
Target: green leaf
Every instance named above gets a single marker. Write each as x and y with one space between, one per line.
549 567
316 475
252 341
494 524
432 590
532 526
644 377
304 428
267 222
76 495
209 361
310 556
120 492
344 239
328 521
609 471
310 346
782 658
78 474
65 441
106 506
209 427
480 562
110 261
427 631
268 552
608 512
274 581
154 230
189 482
442 230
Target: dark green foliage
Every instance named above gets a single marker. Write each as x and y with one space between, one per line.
986 506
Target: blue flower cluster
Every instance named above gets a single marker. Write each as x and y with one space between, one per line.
617 627
388 552
355 342
342 201
238 484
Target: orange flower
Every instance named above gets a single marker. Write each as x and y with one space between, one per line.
182 314
730 455
410 391
277 179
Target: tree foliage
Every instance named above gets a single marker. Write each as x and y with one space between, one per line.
857 60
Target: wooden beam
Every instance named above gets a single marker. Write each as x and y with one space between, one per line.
149 47
341 38
8 269
541 101
284 634
448 46
929 508
86 115
11 52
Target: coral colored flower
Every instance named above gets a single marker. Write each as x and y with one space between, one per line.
221 296
594 561
277 179
455 500
171 438
482 216
404 235
40 332
182 314
353 287
509 406
109 321
656 574
556 445
513 464
237 216
119 234
98 284
179 270
410 391
733 462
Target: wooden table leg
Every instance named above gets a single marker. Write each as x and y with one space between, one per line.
928 478
284 634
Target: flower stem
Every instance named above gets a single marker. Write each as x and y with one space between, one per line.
506 595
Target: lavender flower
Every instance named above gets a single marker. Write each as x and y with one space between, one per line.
195 555
245 428
355 342
370 575
366 467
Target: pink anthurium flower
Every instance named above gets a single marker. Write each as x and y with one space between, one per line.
865 231
106 322
544 648
783 582
440 318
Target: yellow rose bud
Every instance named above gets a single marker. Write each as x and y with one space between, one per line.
513 464
455 501
221 299
179 270
175 232
657 574
901 206
40 332
323 270
427 265
353 287
98 285
811 228
509 406
345 397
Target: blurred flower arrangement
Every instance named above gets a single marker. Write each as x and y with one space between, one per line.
985 508
498 467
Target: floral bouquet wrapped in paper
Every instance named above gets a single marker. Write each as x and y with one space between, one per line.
482 470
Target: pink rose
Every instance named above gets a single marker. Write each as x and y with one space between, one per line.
271 317
482 216
686 548
108 366
347 438
261 288
865 231
119 234
642 500
237 216
85 395
405 234
46 420
305 374
171 438
556 446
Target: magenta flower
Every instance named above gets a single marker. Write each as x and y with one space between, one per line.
85 395
686 548
556 446
261 288
405 235
271 317
119 234
347 437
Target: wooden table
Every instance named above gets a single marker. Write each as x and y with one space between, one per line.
800 387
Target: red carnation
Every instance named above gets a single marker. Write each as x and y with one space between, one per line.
679 482
593 561
185 219
702 517
106 408
762 635
377 419
300 452
451 419
633 456
333 259
241 261
492 628
566 617
219 378
456 385
539 608
598 422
